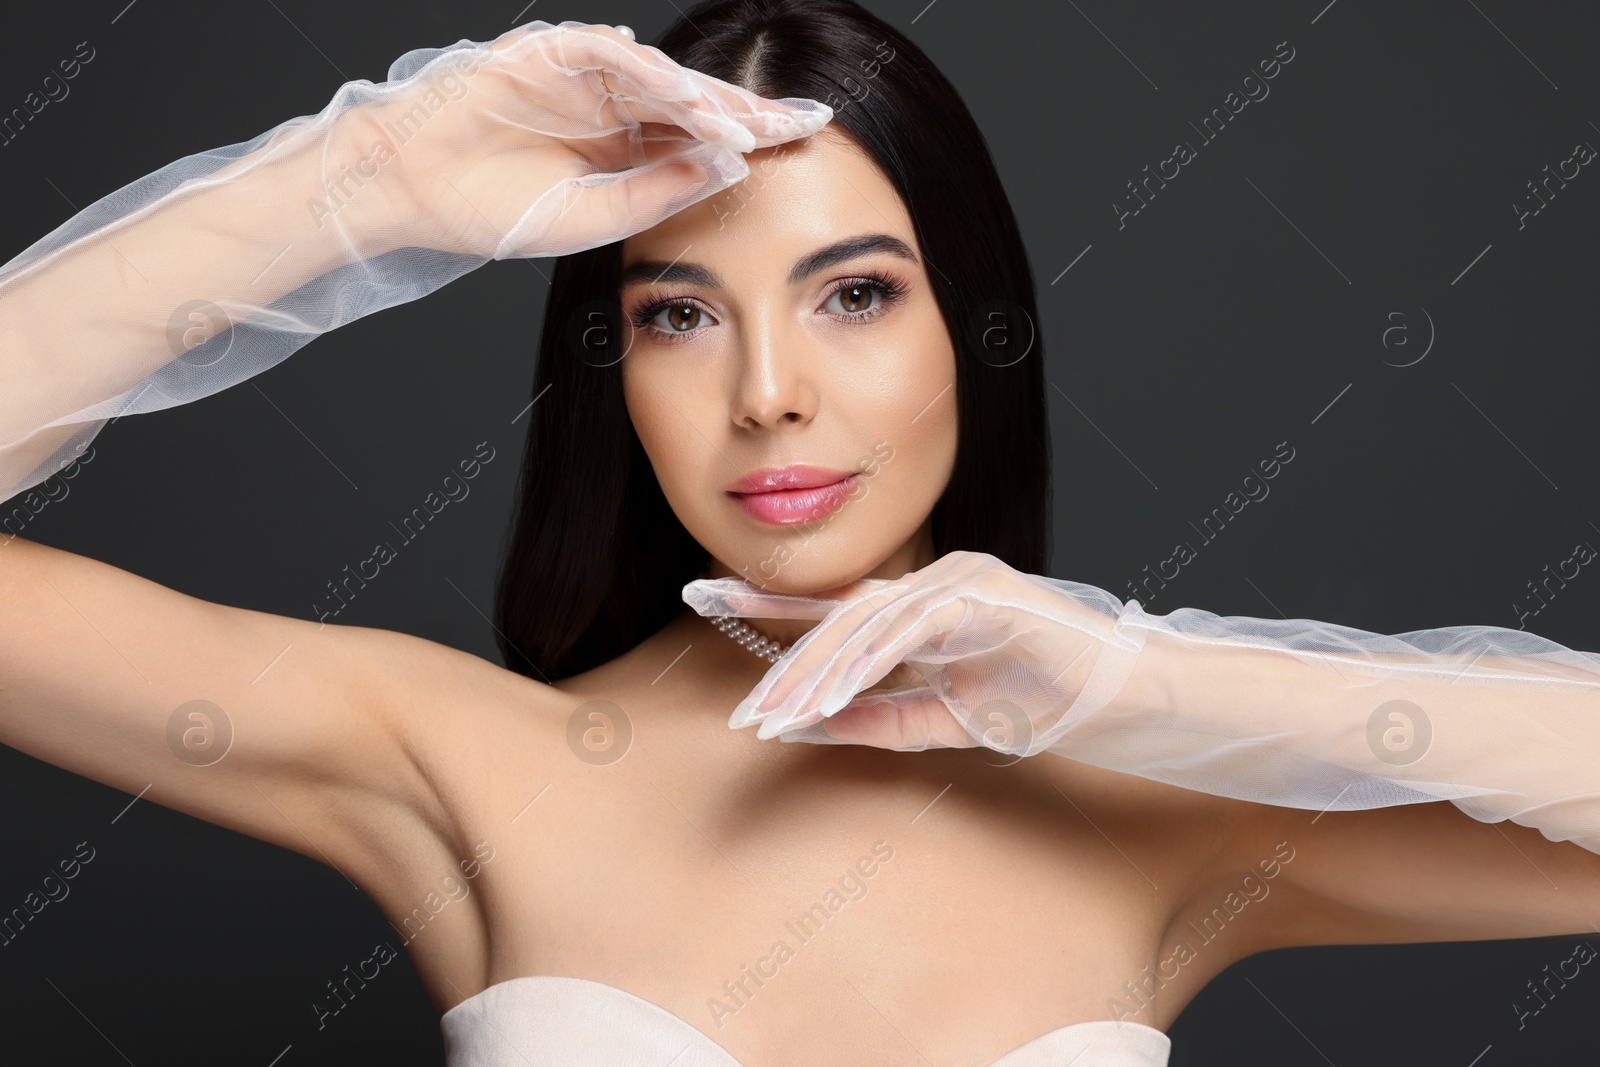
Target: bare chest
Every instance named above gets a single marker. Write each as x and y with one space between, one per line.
955 900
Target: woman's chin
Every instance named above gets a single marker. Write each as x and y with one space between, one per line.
796 577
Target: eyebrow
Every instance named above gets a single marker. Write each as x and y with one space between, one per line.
655 270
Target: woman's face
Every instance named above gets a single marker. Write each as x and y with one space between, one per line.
789 320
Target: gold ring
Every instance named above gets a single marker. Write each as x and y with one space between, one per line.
604 82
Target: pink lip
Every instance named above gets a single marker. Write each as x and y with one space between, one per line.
794 476
793 494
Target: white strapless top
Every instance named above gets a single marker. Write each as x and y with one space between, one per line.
559 1021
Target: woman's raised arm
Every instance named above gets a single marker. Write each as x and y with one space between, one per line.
1297 713
546 141
220 265
1342 741
272 726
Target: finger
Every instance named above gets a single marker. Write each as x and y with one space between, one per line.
633 72
906 721
813 735
880 725
575 47
588 211
715 597
846 654
770 122
873 725
788 690
727 113
700 118
809 658
648 142
711 109
813 654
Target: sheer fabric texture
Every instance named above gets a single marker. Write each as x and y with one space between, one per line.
1503 723
549 140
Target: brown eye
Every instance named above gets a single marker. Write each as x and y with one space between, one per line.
671 318
855 298
681 318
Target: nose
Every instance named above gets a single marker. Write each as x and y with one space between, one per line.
773 385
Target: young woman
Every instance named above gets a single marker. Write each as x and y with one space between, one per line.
755 297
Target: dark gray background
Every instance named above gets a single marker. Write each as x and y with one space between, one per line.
1249 296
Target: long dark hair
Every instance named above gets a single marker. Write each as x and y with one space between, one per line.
596 560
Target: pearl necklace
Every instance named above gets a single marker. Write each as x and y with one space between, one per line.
750 637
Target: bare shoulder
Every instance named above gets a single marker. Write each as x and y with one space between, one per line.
1211 862
380 754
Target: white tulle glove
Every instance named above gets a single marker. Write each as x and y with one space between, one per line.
1297 713
546 141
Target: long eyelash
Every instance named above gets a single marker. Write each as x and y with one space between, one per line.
890 290
888 286
654 304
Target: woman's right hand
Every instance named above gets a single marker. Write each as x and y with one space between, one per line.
514 147
244 253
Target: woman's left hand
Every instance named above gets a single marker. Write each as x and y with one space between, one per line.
1004 657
